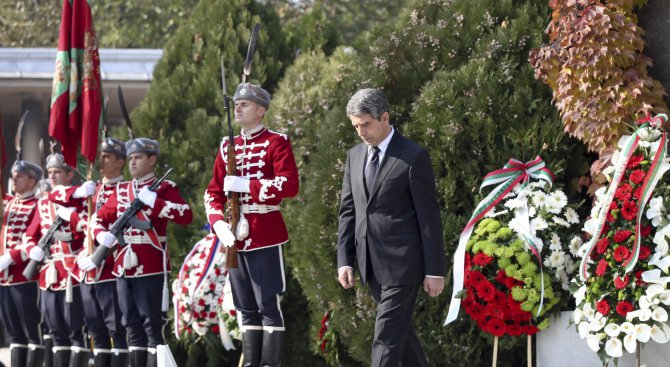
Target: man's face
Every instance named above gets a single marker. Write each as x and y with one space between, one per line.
372 131
248 114
22 183
111 165
59 176
141 164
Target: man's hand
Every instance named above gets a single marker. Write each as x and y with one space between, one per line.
85 190
147 196
236 184
85 263
5 262
222 230
345 275
433 286
65 213
36 254
106 239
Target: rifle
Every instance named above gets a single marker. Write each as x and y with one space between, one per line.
128 218
233 197
44 243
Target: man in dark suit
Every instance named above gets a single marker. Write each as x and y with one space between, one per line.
389 223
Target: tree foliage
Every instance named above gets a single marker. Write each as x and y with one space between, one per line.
118 23
595 65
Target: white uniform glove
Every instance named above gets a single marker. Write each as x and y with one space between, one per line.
85 263
5 262
65 213
36 254
147 196
85 190
235 184
106 239
222 230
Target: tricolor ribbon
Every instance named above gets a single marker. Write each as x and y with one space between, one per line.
210 245
514 173
650 181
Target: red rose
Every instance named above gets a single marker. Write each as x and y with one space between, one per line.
637 176
233 312
496 327
623 308
201 302
621 283
645 252
485 290
603 307
215 329
601 268
634 161
602 245
622 235
645 231
212 315
212 286
621 253
629 210
482 259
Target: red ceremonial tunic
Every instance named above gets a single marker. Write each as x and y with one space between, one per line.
19 212
55 271
146 252
266 159
103 192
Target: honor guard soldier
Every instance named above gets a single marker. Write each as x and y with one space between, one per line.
60 299
102 314
142 265
267 173
18 296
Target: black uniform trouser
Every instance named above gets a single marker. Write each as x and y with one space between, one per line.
20 313
257 284
102 314
65 320
140 300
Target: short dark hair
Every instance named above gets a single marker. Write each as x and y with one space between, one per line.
370 101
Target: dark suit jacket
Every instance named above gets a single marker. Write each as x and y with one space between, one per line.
399 223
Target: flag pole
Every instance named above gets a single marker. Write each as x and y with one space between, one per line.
89 239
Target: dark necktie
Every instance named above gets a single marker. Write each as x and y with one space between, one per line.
371 169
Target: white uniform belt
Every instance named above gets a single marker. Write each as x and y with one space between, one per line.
142 240
258 208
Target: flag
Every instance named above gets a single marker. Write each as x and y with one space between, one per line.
76 97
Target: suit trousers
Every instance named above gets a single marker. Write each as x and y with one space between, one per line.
395 342
64 319
140 300
20 313
102 314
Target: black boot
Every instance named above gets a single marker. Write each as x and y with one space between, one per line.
48 352
61 356
273 345
119 358
35 355
152 357
79 357
138 358
19 354
102 357
252 341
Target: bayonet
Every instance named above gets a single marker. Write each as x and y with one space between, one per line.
19 133
124 110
